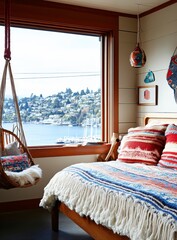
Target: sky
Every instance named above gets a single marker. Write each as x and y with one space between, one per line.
47 62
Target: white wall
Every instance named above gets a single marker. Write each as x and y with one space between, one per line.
127 74
159 39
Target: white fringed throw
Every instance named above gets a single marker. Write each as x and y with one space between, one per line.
118 211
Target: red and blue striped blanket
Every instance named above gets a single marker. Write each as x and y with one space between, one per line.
136 200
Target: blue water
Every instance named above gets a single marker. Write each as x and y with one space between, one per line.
43 134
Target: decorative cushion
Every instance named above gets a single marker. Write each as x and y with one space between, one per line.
15 163
169 155
143 145
11 149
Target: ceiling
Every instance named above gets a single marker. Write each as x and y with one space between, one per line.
124 6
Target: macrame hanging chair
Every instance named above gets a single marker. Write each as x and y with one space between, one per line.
17 168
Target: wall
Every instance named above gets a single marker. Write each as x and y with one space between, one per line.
159 39
127 74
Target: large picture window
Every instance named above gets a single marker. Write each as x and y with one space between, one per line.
86 92
58 83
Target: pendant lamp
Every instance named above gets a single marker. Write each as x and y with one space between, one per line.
138 56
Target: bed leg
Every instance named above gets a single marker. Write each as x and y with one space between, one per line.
55 216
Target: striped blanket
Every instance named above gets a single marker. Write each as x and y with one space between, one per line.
135 200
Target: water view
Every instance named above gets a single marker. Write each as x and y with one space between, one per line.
47 134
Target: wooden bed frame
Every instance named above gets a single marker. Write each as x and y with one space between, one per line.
99 232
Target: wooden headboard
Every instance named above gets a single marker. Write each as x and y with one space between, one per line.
157 118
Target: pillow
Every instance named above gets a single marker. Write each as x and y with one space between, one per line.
11 149
169 155
143 145
15 163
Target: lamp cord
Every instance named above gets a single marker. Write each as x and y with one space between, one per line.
138 29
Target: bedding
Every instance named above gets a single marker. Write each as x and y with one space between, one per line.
169 154
143 145
132 199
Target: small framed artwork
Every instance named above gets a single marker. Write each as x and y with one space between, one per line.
147 95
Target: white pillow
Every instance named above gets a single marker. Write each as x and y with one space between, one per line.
11 149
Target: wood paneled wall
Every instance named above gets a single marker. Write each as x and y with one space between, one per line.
159 39
127 75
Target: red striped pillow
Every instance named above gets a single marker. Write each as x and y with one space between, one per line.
143 145
169 155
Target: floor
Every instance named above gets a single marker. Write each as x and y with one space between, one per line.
35 225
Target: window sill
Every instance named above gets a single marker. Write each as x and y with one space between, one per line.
66 150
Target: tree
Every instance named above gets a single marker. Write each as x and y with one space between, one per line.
56 103
76 94
87 91
68 101
82 92
68 91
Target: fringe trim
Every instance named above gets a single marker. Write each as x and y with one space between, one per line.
119 212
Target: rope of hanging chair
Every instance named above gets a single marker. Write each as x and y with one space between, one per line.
7 68
7 52
7 55
23 139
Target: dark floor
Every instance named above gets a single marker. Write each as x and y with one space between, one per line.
36 225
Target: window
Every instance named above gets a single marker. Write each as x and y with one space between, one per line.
58 84
44 15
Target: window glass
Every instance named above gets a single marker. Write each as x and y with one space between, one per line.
58 84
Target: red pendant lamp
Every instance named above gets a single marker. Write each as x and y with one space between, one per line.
138 56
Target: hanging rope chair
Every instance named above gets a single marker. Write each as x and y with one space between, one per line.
17 168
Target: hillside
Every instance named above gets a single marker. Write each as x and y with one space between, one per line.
64 108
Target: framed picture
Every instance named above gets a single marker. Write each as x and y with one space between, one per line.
147 95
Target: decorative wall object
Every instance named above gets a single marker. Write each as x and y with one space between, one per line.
150 77
172 74
138 56
147 95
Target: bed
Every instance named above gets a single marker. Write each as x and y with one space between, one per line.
134 197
